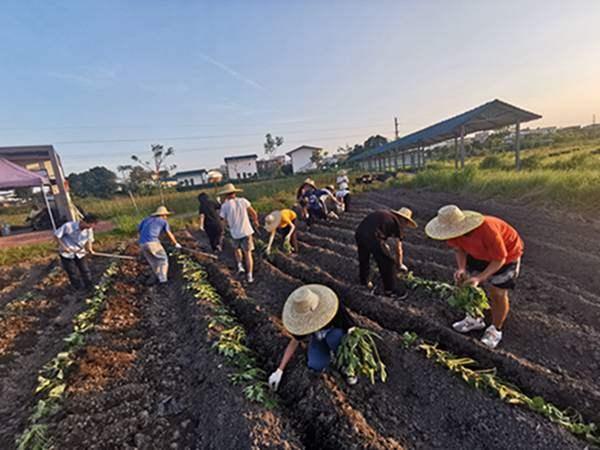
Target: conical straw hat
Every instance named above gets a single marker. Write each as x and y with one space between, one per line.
229 188
452 222
406 213
162 211
272 221
309 308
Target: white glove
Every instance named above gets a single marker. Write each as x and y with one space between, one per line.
403 268
178 246
275 379
351 329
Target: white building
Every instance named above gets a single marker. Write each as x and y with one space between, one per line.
191 177
241 167
301 158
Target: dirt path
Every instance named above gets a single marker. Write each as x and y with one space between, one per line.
441 413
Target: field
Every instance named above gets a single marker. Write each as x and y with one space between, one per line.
186 367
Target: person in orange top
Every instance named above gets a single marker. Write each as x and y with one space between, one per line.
284 221
488 250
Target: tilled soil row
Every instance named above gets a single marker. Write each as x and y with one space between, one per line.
18 280
440 413
148 378
35 327
400 316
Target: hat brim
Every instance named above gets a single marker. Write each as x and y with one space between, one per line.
311 321
231 191
273 226
167 213
435 230
411 222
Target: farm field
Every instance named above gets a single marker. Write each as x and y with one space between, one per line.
145 373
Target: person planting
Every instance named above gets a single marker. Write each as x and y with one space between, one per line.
150 230
285 221
210 222
75 240
313 313
371 235
237 212
488 250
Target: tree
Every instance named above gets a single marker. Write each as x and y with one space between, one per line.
317 157
271 144
96 182
158 165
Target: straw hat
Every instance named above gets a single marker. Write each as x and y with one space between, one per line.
272 221
229 188
214 176
406 213
162 211
452 222
343 172
309 308
310 182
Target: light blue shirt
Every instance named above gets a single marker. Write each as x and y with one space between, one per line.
151 228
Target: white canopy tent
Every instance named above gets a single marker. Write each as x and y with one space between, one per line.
14 176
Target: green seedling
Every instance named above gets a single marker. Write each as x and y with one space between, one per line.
357 355
409 338
34 438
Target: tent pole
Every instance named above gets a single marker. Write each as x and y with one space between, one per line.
518 146
49 209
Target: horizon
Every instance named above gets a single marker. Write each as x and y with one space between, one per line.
210 80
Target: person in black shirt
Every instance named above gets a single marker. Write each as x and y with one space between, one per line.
210 221
371 235
313 312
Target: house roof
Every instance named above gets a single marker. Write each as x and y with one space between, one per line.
489 116
190 172
236 158
302 147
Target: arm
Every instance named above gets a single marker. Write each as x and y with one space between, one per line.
201 220
89 246
275 377
292 229
461 262
400 256
253 216
491 269
171 237
271 239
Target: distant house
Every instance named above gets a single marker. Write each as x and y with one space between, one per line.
191 177
375 141
270 165
301 158
241 167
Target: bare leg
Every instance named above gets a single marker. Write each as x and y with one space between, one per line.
500 305
238 256
249 262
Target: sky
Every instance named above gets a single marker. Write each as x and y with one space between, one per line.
102 80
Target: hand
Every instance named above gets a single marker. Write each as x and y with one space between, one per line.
275 379
403 268
201 227
268 252
351 329
474 282
460 275
178 246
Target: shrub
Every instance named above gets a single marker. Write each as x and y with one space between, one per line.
492 162
531 162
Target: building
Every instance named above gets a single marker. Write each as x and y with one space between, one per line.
241 167
269 166
375 141
191 177
301 158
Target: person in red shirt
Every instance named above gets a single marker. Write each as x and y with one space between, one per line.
488 250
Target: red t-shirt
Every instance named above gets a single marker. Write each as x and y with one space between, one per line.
493 240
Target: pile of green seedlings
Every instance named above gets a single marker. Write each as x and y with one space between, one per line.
471 300
52 379
487 379
229 337
357 355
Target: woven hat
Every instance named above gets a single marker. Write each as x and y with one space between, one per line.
272 221
162 211
406 213
214 176
343 172
310 182
309 308
452 222
229 188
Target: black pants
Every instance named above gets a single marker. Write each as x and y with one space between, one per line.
215 236
385 262
78 271
347 198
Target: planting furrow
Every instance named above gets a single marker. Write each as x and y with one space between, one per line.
400 316
412 412
20 279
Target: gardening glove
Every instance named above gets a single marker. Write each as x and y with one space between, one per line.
178 246
351 329
403 268
275 379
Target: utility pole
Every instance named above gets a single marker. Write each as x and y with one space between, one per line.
593 119
396 126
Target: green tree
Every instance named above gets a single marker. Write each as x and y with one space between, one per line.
317 157
271 144
95 182
157 166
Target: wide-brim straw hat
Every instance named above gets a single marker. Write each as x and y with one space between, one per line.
309 308
407 214
272 221
162 211
343 172
310 182
452 222
229 188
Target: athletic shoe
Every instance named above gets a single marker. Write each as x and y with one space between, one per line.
241 269
250 278
469 324
492 337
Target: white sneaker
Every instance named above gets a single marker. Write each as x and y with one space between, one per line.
250 278
492 337
241 268
469 324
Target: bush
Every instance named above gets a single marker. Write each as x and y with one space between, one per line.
493 162
531 162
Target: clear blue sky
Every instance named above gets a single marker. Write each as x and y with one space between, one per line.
327 73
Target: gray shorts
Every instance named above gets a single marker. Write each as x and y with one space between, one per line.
246 243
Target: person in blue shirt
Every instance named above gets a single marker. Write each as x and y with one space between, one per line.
150 230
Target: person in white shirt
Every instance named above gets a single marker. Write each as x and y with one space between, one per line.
343 192
74 243
237 213
342 180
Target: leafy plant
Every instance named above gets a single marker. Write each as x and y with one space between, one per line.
358 355
34 438
409 338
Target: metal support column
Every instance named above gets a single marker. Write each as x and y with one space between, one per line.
518 146
462 147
